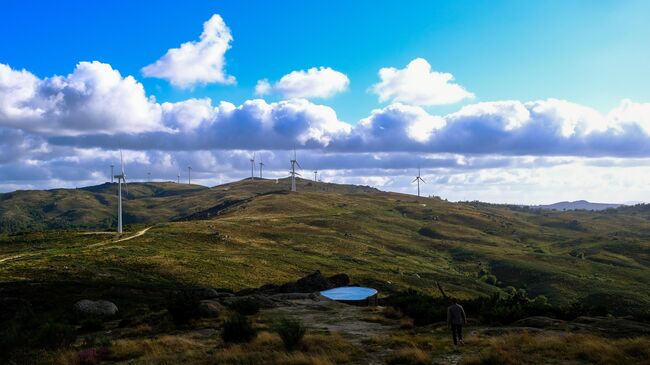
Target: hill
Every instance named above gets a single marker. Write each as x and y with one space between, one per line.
578 205
95 207
249 233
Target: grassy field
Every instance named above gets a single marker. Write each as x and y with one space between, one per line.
251 233
56 248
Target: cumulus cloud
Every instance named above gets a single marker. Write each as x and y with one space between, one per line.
253 124
417 84
94 98
194 62
322 82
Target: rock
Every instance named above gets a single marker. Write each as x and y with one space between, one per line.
14 308
158 321
209 308
263 301
206 293
338 280
539 322
102 308
294 296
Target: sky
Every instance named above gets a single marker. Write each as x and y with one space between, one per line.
501 101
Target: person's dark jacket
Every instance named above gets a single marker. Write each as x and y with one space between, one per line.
456 314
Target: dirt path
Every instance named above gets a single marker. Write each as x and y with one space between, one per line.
351 322
103 243
95 245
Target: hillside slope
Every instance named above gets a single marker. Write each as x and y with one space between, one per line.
246 234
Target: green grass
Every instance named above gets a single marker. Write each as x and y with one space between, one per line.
268 235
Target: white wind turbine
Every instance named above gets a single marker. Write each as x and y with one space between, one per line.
253 167
261 166
120 178
418 179
293 172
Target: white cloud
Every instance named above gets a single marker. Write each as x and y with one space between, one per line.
418 85
94 98
194 62
322 82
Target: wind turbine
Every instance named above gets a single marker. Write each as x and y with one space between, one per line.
418 179
120 178
112 174
148 176
293 172
316 175
178 177
189 174
261 166
253 167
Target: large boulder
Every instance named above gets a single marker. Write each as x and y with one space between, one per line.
315 282
209 308
14 308
99 308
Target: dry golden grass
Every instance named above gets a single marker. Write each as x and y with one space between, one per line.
525 348
409 356
267 348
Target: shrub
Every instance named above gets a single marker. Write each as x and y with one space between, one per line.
53 334
183 306
291 332
392 313
246 306
430 232
238 328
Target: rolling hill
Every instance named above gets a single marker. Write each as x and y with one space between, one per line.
578 205
249 233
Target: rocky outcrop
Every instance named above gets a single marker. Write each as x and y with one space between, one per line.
209 308
311 283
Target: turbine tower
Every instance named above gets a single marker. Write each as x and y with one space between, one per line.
112 174
316 175
178 177
189 174
148 176
253 167
261 166
418 179
120 178
293 172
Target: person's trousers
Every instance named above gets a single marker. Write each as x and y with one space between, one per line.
457 332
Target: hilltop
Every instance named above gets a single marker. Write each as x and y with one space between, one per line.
578 205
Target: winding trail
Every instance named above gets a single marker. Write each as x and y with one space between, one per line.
95 245
103 243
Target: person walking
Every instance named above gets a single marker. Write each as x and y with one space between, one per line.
455 320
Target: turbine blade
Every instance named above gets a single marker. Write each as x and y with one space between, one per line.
414 180
423 181
121 162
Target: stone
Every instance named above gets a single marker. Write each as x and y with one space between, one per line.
209 308
102 308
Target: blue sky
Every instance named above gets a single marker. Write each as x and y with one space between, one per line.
591 54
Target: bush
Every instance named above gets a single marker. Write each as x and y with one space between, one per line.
183 306
238 328
291 332
246 306
21 336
